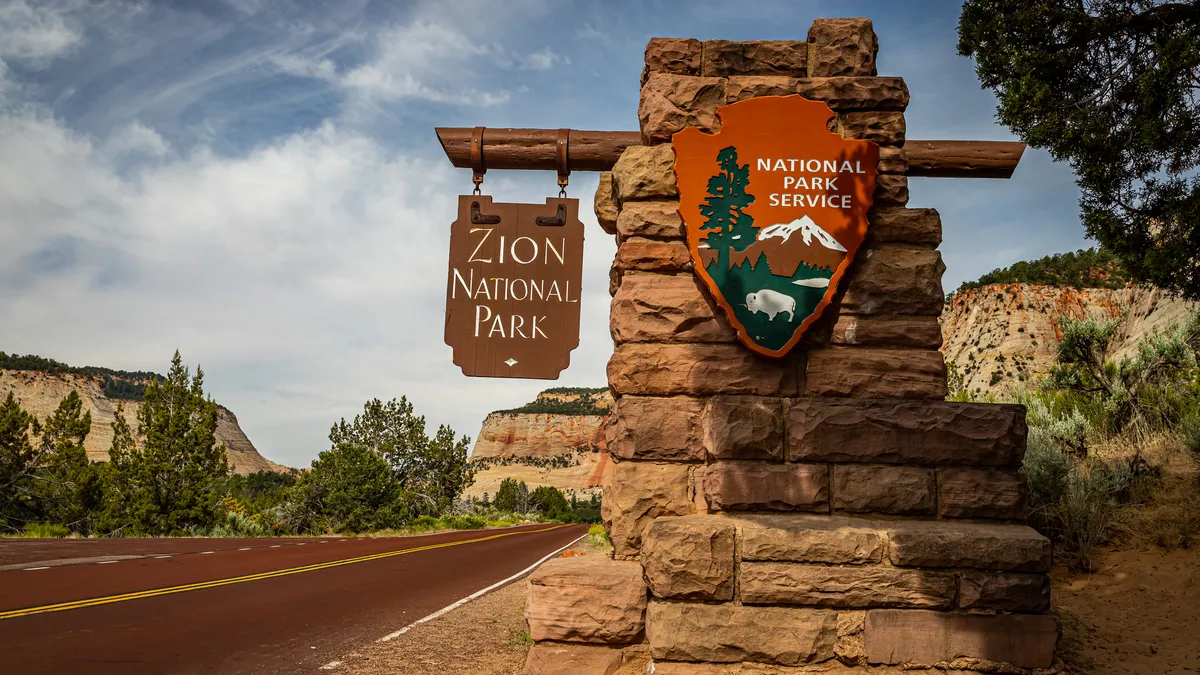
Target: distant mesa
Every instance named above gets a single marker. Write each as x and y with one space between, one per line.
39 384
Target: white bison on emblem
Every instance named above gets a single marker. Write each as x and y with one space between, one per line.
771 302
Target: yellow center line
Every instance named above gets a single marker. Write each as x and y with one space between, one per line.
183 588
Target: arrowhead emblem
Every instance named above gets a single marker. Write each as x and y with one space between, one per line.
775 207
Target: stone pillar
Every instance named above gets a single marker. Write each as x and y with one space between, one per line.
826 508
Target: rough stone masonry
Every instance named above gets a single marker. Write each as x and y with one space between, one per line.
826 512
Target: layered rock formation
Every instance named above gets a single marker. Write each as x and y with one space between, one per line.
1004 334
40 393
566 450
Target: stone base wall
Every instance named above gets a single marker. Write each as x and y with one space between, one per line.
824 511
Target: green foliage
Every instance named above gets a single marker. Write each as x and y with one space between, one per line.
1156 388
512 496
1081 269
169 482
349 489
261 490
69 486
726 224
17 462
431 472
588 402
576 391
1110 86
45 531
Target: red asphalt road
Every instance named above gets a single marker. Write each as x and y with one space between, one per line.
287 624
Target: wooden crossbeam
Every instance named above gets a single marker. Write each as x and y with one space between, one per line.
534 150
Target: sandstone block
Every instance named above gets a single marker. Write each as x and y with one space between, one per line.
645 172
635 493
983 493
876 373
891 190
743 87
744 427
839 93
804 538
697 370
732 633
944 543
892 160
614 279
915 332
776 583
655 220
906 432
895 636
856 93
587 600
605 204
1010 592
885 489
670 103
884 128
680 56
920 227
739 486
560 658
723 58
842 47
689 558
656 429
651 255
666 308
895 280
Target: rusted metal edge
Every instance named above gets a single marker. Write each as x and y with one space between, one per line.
537 150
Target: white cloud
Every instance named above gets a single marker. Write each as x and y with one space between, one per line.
543 60
135 138
37 33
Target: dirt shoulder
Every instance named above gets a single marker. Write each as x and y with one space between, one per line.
487 636
1138 614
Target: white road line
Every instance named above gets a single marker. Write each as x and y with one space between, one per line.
300 544
331 665
276 546
30 569
107 562
244 549
206 553
160 557
476 594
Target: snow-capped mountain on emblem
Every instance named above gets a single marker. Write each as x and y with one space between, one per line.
807 228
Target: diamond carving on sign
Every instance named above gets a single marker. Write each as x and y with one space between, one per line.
511 362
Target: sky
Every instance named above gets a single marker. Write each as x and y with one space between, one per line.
258 185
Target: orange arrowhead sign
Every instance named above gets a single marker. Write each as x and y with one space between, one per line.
775 206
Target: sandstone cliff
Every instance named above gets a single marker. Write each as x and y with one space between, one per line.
556 440
40 393
1002 334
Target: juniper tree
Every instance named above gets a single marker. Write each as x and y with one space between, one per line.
168 482
17 461
67 483
1111 87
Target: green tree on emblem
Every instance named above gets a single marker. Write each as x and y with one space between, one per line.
726 225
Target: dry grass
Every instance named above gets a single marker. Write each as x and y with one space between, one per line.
1162 506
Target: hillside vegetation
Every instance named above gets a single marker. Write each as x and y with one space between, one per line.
1089 268
117 384
564 401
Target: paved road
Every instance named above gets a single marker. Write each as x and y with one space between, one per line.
181 606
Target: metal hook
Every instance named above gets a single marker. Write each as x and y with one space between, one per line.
477 167
561 159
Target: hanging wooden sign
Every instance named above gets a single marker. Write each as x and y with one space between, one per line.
775 206
512 295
